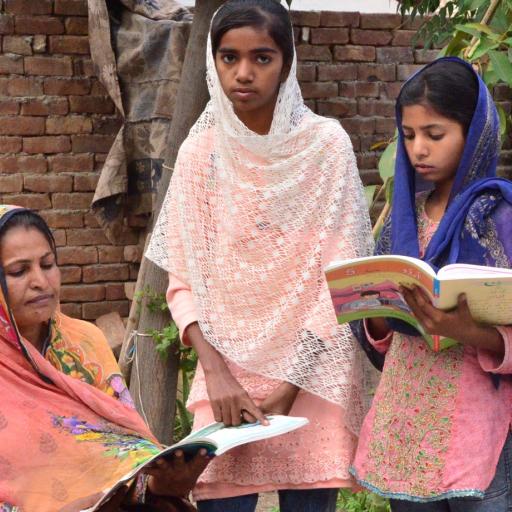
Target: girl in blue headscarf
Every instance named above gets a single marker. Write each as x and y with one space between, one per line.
437 435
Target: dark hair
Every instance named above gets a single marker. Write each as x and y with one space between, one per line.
264 14
29 219
449 87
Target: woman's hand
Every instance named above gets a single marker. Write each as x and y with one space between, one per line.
457 323
281 400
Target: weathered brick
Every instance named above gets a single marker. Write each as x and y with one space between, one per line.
405 71
114 291
10 144
71 163
91 105
71 309
105 272
76 25
67 86
91 221
9 106
377 72
85 182
82 293
21 45
372 107
6 24
28 6
44 107
134 271
91 143
111 253
359 125
390 90
48 144
11 64
311 90
397 54
311 52
68 125
49 183
370 37
98 88
83 67
366 89
38 25
425 56
403 38
77 200
107 125
48 66
67 219
133 253
329 36
71 7
39 43
24 86
22 164
386 126
410 24
367 161
11 183
33 201
71 274
328 72
76 255
306 72
305 18
69 44
380 21
354 53
339 19
93 310
21 125
339 107
88 236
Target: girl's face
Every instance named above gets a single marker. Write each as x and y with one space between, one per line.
250 68
433 142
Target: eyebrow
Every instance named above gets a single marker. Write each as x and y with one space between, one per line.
426 127
263 49
49 253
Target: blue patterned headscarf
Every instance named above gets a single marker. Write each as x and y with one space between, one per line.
477 225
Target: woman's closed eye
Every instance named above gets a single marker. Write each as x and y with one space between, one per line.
436 136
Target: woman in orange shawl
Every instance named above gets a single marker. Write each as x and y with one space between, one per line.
68 429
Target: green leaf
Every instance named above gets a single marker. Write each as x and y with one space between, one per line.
387 162
503 120
501 65
469 30
389 184
483 47
456 45
472 5
480 27
369 192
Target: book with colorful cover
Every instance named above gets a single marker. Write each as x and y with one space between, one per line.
216 439
370 287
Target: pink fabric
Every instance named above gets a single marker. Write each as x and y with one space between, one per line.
382 345
181 303
437 424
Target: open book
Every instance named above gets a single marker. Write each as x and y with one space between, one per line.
216 439
369 287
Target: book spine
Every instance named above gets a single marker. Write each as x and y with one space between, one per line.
435 337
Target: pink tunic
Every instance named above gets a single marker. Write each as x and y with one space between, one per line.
438 423
316 456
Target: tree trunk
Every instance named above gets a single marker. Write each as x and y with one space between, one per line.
153 381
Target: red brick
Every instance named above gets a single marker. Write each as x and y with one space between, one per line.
76 26
39 25
306 72
105 272
76 255
376 72
354 53
77 200
93 310
403 37
425 56
69 44
313 90
415 24
380 21
134 271
91 143
60 239
142 220
98 89
88 236
22 164
339 19
111 253
405 71
83 67
85 182
305 18
23 86
49 183
10 144
367 161
328 72
21 45
71 163
21 125
48 66
390 90
91 105
68 125
371 108
385 126
329 36
71 309
132 253
397 54
66 219
9 107
6 24
11 183
91 221
310 52
11 64
67 86
359 125
370 37
33 201
337 107
82 293
28 6
502 92
45 107
39 43
366 89
107 125
71 7
48 144
114 291
70 274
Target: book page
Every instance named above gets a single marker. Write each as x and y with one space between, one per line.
467 271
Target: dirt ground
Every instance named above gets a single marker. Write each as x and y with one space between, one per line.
267 502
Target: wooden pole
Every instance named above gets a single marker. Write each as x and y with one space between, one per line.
154 381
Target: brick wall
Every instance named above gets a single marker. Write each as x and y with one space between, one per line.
57 124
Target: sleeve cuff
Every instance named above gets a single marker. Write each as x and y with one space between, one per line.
379 345
493 363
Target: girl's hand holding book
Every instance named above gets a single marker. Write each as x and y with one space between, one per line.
457 324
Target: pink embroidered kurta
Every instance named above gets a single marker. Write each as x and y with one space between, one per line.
438 423
316 456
